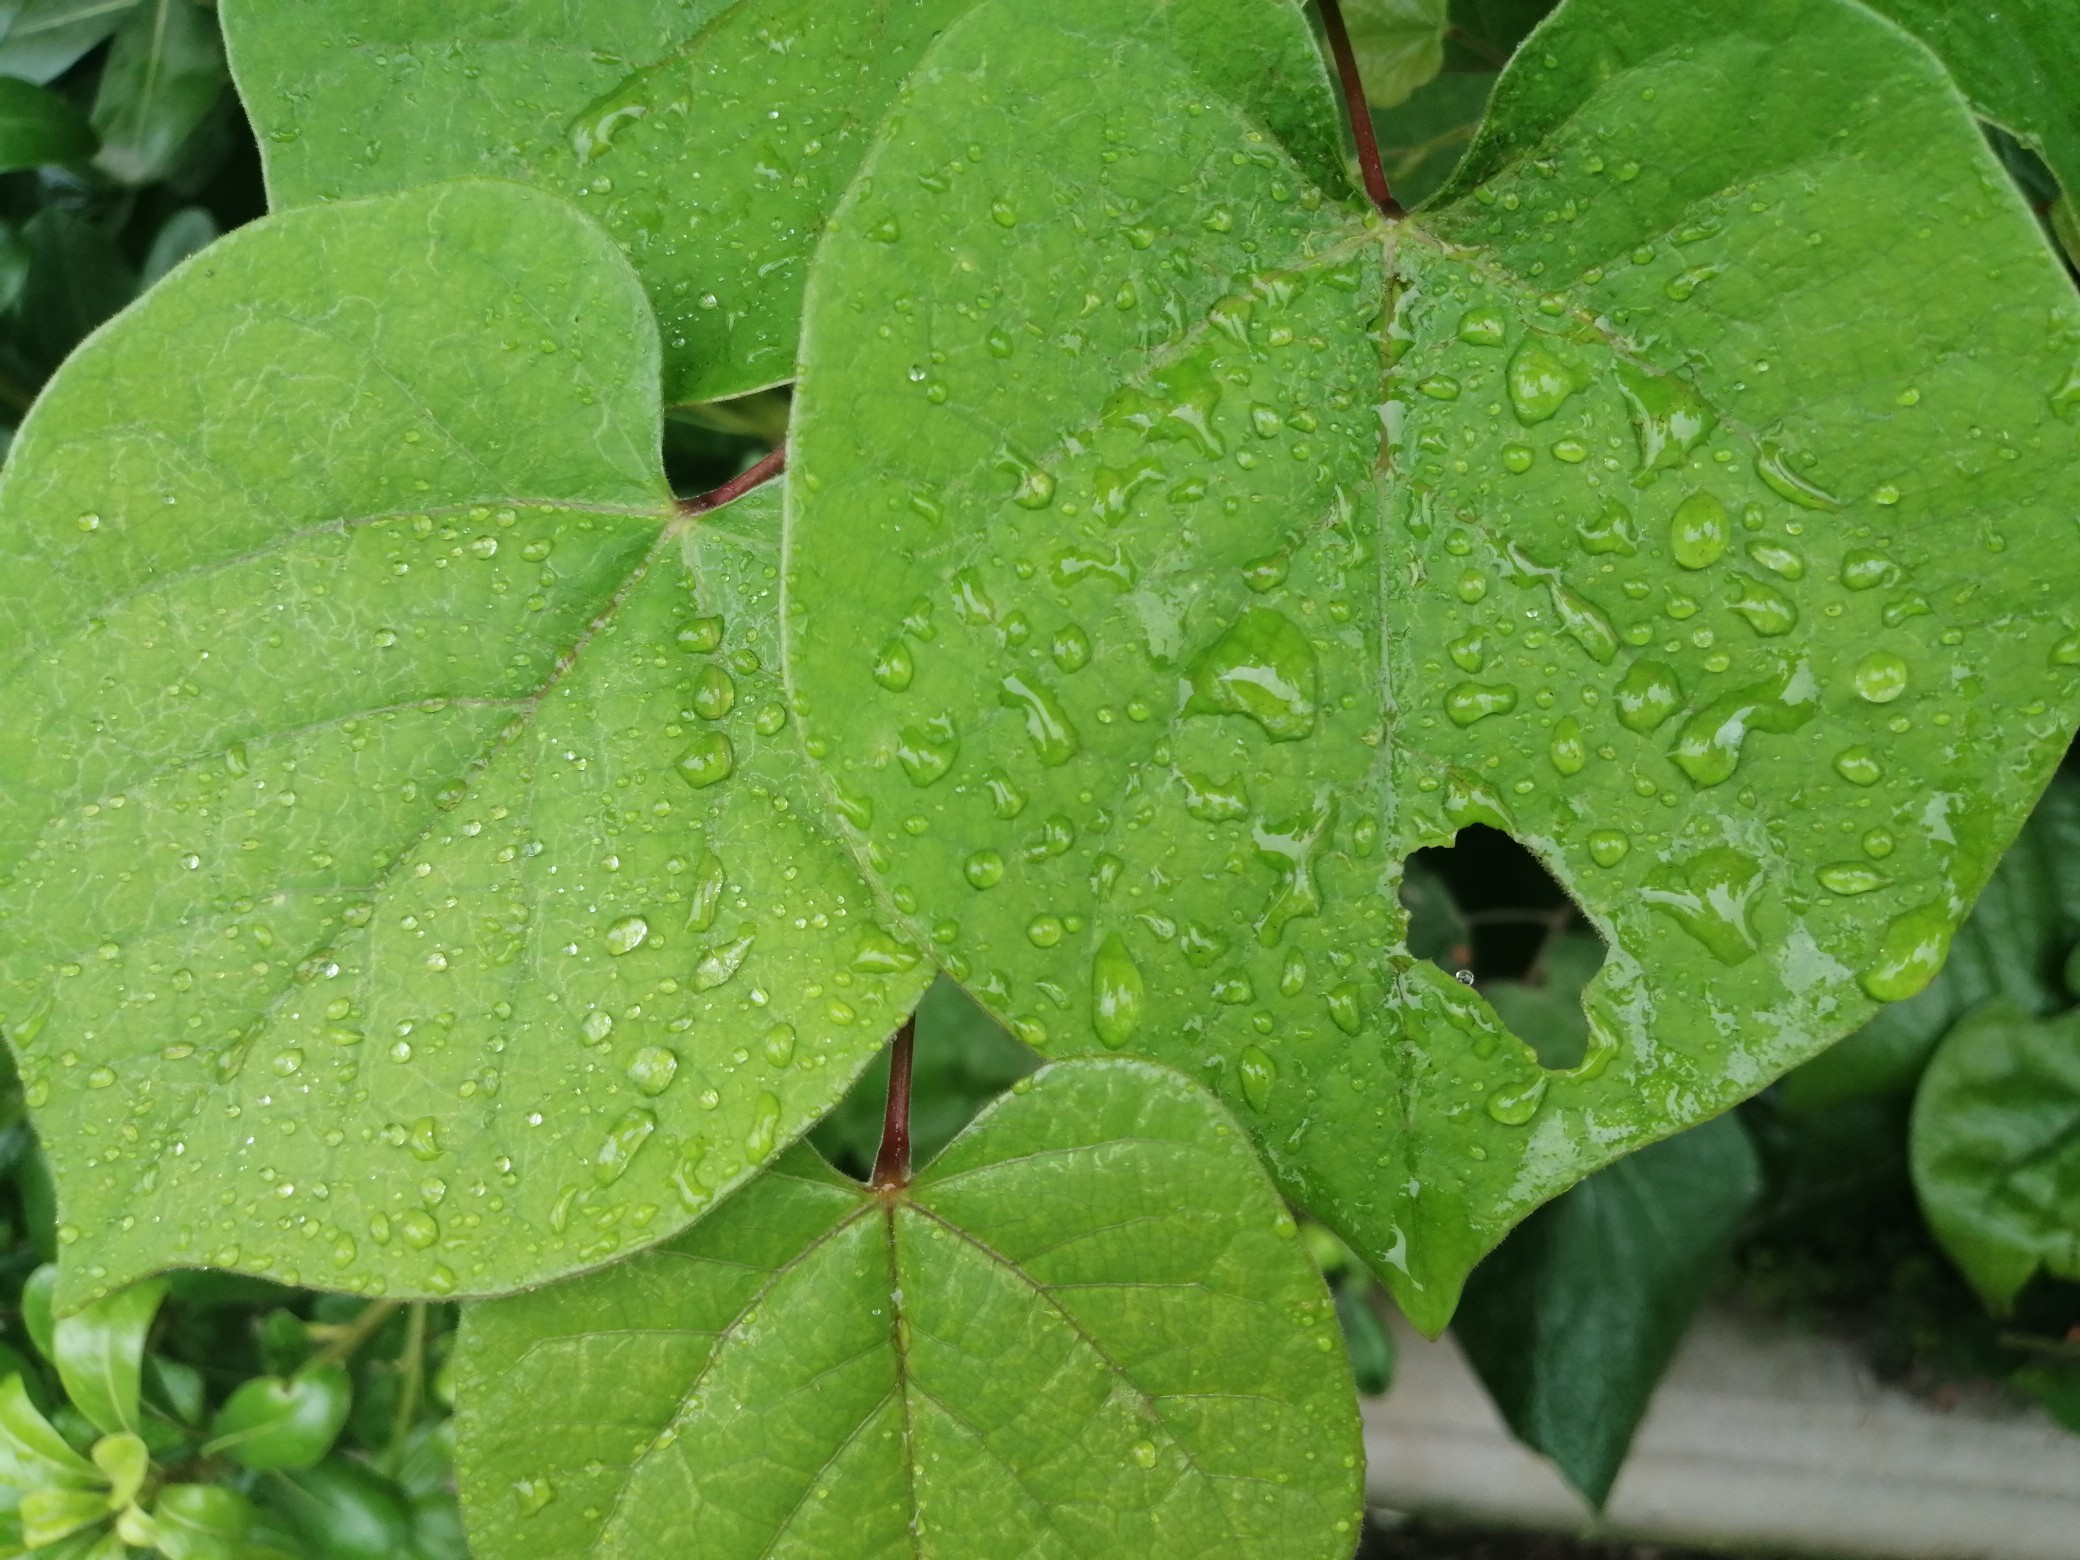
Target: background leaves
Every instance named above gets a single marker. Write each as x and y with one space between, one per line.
973 1363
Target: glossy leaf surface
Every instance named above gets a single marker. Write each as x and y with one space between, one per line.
712 140
1703 547
99 1352
1399 44
988 1362
1996 1148
398 833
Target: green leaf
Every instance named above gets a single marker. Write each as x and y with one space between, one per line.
164 74
188 231
405 887
711 140
39 126
1086 1329
1485 33
1139 679
33 1455
962 1060
42 39
1996 1149
99 1352
269 1422
1399 45
201 1522
1422 140
2016 62
1571 1320
343 1510
77 277
2013 945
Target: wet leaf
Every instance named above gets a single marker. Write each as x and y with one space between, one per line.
984 1362
712 140
1720 562
99 1352
2013 946
1996 1148
2016 62
1571 1321
399 832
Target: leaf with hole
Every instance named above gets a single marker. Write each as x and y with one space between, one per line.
401 830
1087 1328
1673 494
711 139
1996 1148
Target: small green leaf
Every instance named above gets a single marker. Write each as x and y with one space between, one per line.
1422 140
270 1422
1621 501
712 140
32 1454
201 1522
99 1352
2017 63
165 72
373 707
76 277
1399 44
38 126
2026 923
37 1318
188 231
42 39
51 1515
342 1510
1571 1320
1087 1328
1996 1148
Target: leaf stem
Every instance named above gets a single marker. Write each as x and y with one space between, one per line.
1357 110
738 485
352 1335
892 1164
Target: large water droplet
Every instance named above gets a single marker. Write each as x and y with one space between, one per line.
1471 701
927 751
652 1069
880 953
711 759
1698 531
893 667
1709 896
1048 727
623 1140
1263 667
1513 1105
1119 998
1880 677
1647 695
1911 952
1540 381
1709 747
719 966
1667 416
1257 1073
764 1135
626 935
1567 749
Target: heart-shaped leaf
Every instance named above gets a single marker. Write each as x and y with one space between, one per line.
1717 548
1996 1148
269 1422
977 1363
712 139
401 884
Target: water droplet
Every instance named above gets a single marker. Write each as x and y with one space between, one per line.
1772 466
1880 677
720 966
597 1026
714 693
701 636
1044 931
1910 953
1486 327
1213 801
1708 896
778 1045
1766 609
1851 877
626 935
1667 416
984 869
1608 847
532 1495
893 667
1144 1453
1608 531
1118 994
1347 1007
1540 381
652 1069
1567 749
927 751
623 1141
764 1135
1257 1072
1515 1104
1859 766
1072 649
1262 667
419 1228
1709 748
1048 727
1698 531
1864 569
2067 651
709 761
704 897
1647 695
1440 387
880 953
1471 701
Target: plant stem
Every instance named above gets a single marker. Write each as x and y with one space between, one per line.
413 1365
737 486
892 1164
1355 107
352 1335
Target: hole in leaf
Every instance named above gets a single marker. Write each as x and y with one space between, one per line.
1487 911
